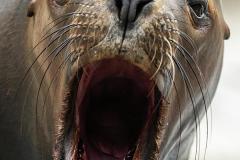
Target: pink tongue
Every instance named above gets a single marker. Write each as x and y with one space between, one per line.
105 152
107 126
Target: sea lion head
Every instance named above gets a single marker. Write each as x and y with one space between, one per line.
127 79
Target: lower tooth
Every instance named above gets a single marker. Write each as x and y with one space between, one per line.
80 151
130 154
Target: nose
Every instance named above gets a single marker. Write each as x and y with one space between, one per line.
130 9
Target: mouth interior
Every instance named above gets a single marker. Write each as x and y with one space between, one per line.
115 110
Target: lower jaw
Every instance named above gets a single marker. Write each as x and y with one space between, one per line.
113 108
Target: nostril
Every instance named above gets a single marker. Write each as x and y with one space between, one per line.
123 9
118 4
141 6
136 8
129 10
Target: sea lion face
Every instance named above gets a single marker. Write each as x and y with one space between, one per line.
132 78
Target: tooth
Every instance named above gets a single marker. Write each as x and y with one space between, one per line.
164 83
80 150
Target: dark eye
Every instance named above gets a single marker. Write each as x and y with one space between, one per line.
61 2
198 7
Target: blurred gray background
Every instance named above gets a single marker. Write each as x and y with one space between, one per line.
224 143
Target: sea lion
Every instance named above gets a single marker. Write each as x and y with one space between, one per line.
107 79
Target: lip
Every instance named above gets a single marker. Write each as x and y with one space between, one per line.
137 91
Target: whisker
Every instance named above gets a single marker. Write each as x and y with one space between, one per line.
58 49
188 39
184 52
38 56
159 67
191 92
65 17
179 110
168 54
48 34
24 104
61 66
154 55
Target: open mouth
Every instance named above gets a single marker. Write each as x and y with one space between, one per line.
114 106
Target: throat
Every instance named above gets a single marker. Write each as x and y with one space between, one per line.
113 107
116 114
